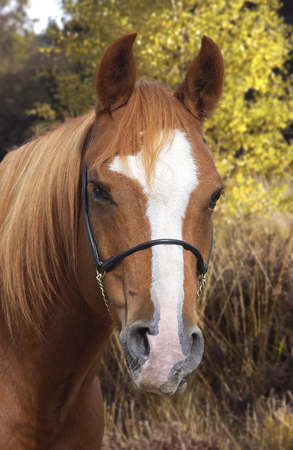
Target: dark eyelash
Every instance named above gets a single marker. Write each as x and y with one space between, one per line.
215 198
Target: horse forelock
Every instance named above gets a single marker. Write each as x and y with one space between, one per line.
38 221
148 121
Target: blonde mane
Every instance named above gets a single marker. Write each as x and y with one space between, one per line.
39 185
39 198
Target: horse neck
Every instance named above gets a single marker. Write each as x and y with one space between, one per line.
43 377
71 340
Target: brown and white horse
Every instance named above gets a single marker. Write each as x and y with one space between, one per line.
149 177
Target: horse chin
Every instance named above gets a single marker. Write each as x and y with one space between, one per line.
166 390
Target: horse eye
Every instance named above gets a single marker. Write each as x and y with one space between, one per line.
214 199
99 193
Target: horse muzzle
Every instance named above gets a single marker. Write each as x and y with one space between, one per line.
161 363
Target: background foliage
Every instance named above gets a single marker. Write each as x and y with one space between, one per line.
20 86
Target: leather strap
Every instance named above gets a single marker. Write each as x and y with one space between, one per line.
202 268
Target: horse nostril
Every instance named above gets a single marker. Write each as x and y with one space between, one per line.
143 333
197 345
194 337
138 343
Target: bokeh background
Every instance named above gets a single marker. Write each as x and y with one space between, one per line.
241 397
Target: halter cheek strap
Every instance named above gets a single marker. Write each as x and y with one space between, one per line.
103 267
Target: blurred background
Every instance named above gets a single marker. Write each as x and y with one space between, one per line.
241 397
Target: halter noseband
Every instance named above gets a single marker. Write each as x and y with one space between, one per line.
103 267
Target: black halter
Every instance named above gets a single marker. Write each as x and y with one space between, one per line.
102 267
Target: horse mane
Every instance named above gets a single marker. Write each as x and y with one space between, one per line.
39 198
39 185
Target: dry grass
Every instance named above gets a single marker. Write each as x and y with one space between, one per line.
241 395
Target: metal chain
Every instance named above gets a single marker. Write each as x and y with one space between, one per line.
201 284
100 279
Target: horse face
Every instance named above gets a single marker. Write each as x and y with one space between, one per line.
152 293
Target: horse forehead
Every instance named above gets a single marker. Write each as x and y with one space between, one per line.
175 173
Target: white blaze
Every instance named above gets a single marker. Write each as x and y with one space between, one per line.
175 177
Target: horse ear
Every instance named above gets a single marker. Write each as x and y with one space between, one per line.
117 73
203 83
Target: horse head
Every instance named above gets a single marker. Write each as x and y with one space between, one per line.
151 177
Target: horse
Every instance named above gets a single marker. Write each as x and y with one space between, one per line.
105 221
